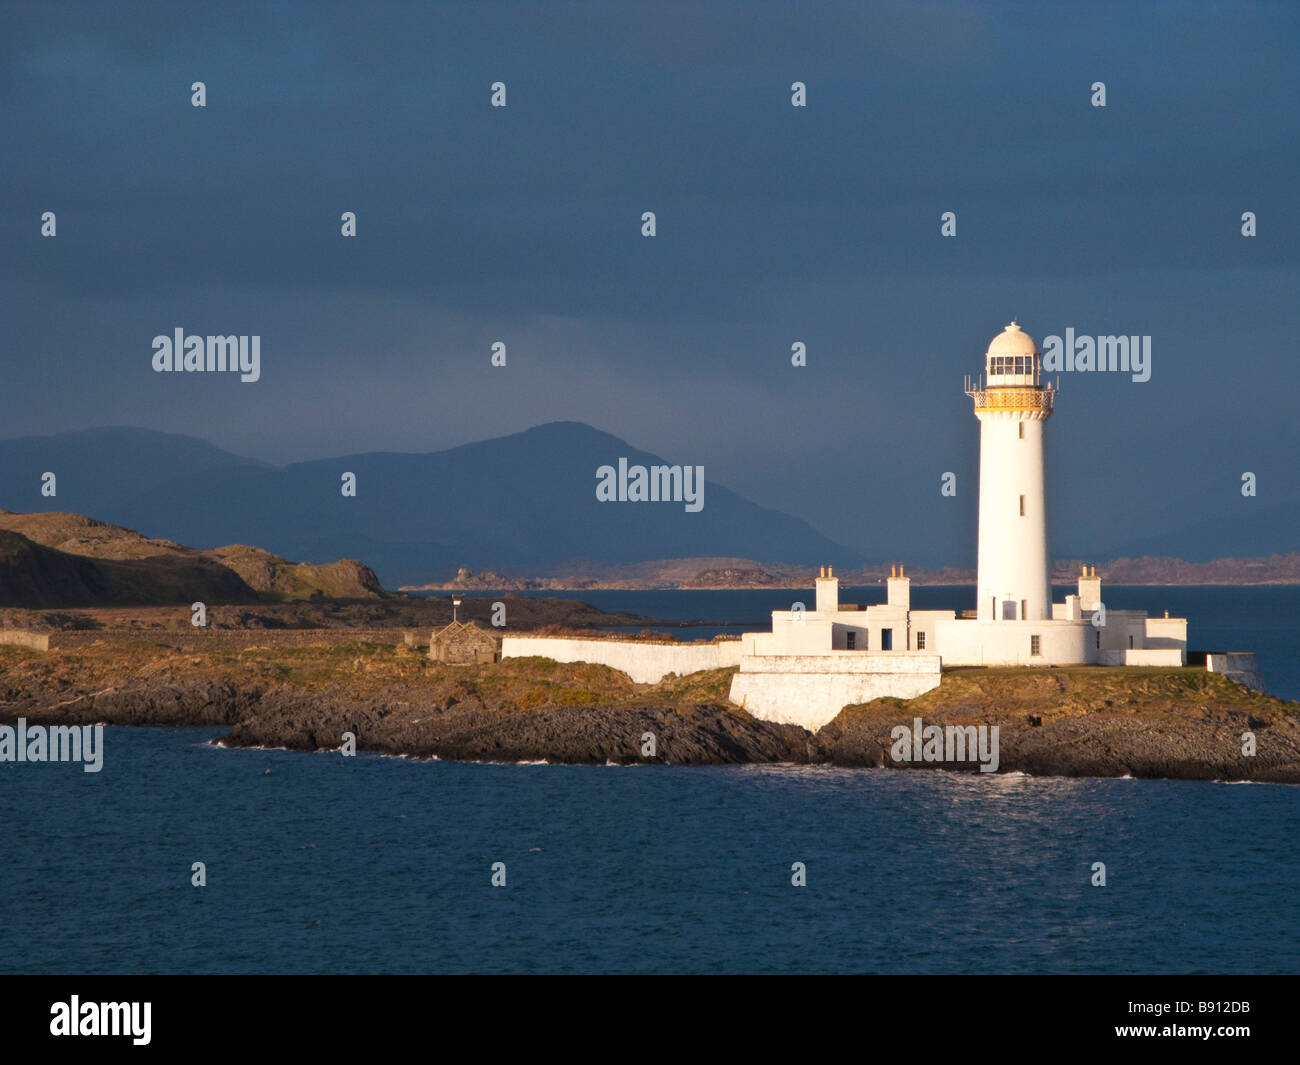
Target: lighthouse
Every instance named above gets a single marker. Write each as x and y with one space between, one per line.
1012 407
815 662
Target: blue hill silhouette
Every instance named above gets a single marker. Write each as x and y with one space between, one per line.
519 503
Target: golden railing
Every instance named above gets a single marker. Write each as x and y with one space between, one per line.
1013 399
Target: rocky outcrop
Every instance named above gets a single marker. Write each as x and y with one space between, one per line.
736 577
1098 723
279 578
33 575
138 704
53 559
1089 721
467 729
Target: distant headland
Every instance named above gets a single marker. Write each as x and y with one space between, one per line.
701 574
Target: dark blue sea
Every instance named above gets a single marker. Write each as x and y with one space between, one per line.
317 863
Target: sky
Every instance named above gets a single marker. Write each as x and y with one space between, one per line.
775 224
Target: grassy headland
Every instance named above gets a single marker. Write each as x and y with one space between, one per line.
1086 721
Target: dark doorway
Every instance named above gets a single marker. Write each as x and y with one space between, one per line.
886 639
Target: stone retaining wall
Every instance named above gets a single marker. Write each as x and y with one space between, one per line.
1237 665
36 641
811 690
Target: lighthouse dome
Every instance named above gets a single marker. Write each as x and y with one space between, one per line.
1013 341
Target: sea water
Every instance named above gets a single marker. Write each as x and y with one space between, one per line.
320 863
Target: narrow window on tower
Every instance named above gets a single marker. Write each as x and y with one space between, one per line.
1022 506
1035 645
1024 614
1022 430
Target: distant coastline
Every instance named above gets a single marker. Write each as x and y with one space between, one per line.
705 574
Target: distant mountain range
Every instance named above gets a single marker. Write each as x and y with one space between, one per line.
523 505
521 502
1243 528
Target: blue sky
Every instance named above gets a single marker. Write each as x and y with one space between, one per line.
775 224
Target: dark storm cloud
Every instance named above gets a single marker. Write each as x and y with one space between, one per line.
774 224
619 109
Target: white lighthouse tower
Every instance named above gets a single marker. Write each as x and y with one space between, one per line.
1012 407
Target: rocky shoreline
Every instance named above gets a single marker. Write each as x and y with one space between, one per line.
1054 722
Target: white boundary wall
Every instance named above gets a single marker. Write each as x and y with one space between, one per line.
36 641
1143 656
645 663
1237 665
811 690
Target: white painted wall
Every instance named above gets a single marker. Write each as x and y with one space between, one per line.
645 663
842 662
36 641
1166 632
969 642
1239 666
815 631
1230 662
1089 593
1148 656
811 690
1070 610
898 592
827 594
924 621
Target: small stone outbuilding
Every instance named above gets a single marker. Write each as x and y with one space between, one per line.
465 643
